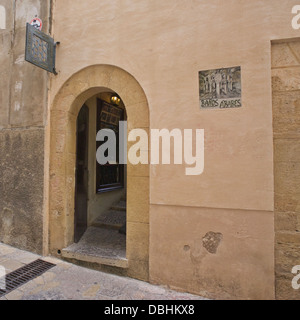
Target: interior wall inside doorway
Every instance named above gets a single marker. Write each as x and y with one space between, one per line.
98 203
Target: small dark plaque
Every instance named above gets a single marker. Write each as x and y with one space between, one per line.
220 88
40 49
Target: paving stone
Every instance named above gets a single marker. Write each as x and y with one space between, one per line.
24 257
92 291
39 280
5 250
46 295
56 261
15 295
11 265
66 281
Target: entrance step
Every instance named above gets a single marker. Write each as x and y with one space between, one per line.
100 246
120 206
111 219
114 218
103 245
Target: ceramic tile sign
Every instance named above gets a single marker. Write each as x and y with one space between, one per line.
220 88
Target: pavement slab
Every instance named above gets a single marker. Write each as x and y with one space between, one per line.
66 281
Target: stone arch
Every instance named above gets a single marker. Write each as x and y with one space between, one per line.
63 114
2 18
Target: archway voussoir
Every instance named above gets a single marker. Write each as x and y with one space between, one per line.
63 102
138 115
131 97
99 77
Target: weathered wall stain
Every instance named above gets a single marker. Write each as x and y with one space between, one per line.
211 241
202 248
197 253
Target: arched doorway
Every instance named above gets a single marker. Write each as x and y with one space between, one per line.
100 188
81 87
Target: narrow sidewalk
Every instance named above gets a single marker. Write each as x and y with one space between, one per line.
66 281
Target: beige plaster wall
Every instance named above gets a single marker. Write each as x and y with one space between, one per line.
164 44
216 253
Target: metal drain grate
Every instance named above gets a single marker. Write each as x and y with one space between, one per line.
23 275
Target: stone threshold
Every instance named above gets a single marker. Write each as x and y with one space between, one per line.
105 261
100 246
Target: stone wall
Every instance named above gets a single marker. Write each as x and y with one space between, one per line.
21 188
23 101
286 121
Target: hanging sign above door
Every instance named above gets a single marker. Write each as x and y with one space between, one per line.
40 49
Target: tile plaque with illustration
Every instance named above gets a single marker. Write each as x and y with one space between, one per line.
220 88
